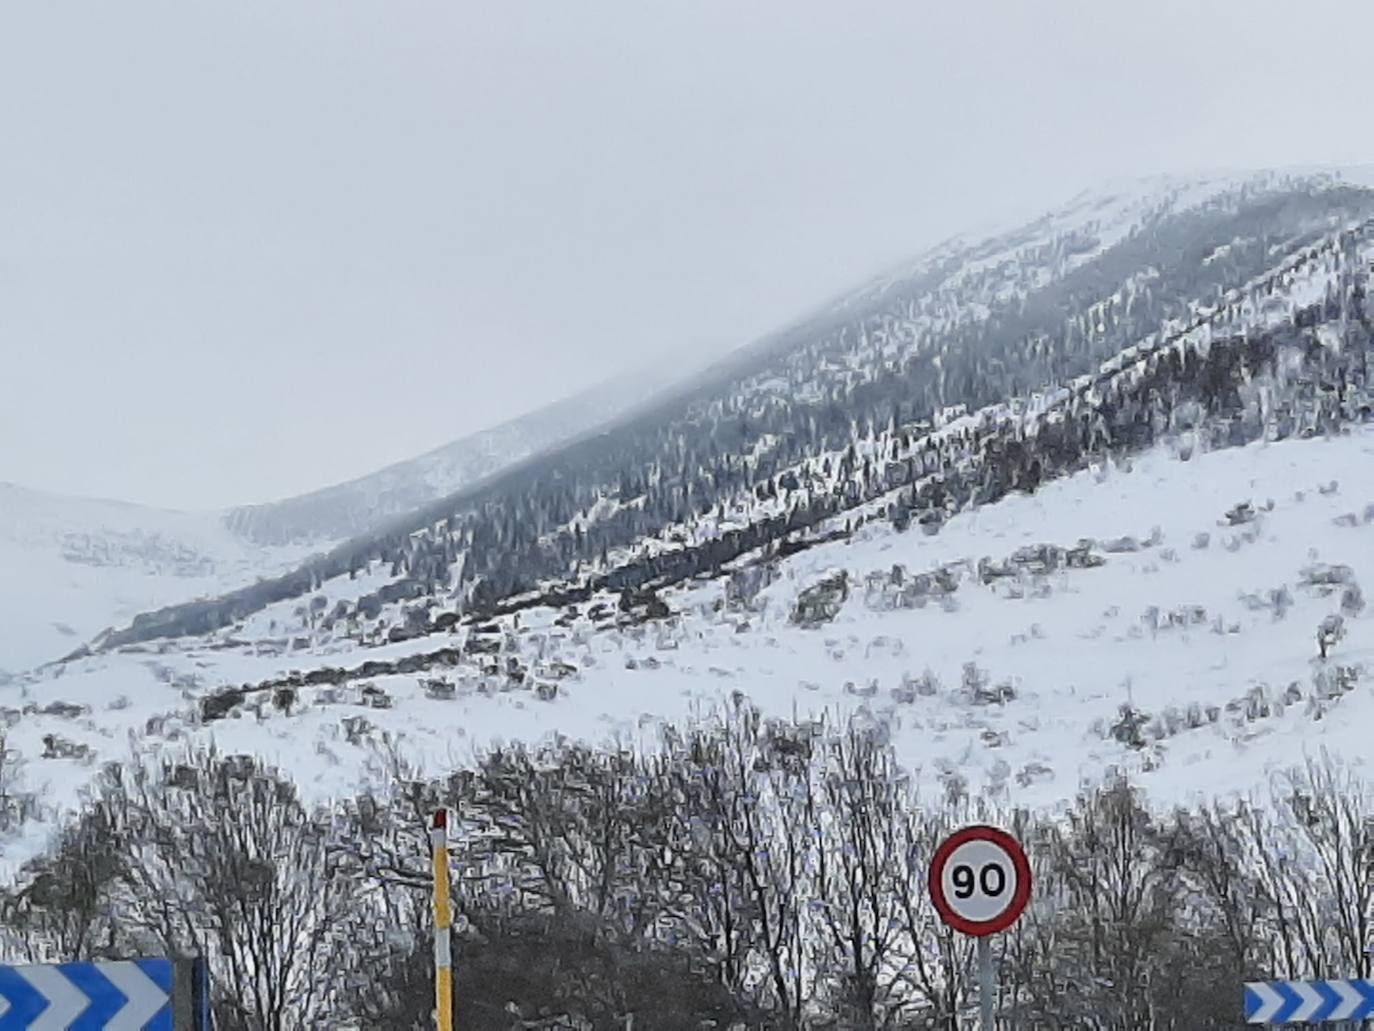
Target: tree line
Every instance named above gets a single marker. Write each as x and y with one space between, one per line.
747 873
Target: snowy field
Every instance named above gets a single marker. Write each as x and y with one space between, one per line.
1184 630
71 567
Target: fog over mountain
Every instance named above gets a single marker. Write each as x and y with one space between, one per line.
229 229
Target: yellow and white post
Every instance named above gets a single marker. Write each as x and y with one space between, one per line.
443 952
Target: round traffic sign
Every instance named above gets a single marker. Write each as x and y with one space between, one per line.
980 880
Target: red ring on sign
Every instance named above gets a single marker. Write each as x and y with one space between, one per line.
1019 900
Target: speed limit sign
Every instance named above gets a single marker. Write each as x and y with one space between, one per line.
980 880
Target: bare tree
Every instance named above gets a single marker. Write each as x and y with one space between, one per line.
860 874
1312 859
744 849
708 910
228 863
773 840
1111 870
1215 854
64 906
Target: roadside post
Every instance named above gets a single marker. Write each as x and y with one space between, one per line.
980 884
443 951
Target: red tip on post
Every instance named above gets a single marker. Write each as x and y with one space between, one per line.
440 819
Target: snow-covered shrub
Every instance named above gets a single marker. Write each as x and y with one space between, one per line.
57 747
911 688
438 689
1280 600
1121 545
356 729
374 697
1240 513
1129 727
1255 704
59 709
978 689
1330 632
1334 681
744 585
16 805
1034 773
821 602
1326 577
900 589
1352 600
222 703
1168 723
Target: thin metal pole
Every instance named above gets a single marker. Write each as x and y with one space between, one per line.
985 986
443 954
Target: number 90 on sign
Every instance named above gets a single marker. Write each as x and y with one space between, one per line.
980 880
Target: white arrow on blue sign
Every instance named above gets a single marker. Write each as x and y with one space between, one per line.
1311 1002
129 995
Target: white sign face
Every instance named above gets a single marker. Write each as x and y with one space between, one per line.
979 881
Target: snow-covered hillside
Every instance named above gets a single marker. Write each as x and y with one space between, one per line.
70 567
1181 643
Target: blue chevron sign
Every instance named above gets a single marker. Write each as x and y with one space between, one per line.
128 995
1306 1002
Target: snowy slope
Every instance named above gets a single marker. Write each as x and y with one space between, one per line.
1180 629
70 567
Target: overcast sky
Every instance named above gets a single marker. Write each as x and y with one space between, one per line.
252 248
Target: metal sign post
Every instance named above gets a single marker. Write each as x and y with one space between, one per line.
980 884
986 989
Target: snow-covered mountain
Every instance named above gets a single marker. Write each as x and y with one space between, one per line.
1079 495
767 442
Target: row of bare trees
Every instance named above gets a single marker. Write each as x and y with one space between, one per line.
748 873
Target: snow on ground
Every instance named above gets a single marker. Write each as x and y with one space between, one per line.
70 567
1180 624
